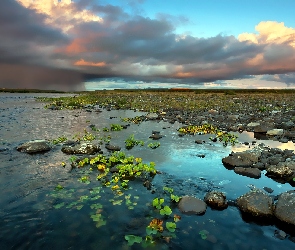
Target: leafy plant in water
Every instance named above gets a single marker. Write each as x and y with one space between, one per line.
116 127
60 139
155 226
84 179
171 226
166 210
157 203
133 239
130 142
154 145
203 234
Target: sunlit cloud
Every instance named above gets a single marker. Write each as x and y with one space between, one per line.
61 14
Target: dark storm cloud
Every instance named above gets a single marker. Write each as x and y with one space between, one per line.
26 59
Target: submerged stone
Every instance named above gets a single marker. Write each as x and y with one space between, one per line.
192 205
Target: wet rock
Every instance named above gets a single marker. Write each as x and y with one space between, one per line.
241 159
192 205
36 146
287 125
280 171
112 147
256 203
269 190
285 207
253 124
84 148
156 136
274 132
263 128
199 141
280 234
249 172
215 199
152 116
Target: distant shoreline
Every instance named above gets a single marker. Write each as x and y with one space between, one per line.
225 91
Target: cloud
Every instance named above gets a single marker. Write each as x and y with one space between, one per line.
90 40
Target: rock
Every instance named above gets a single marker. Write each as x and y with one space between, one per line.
156 136
253 124
215 199
151 116
84 148
112 147
274 132
250 172
199 141
280 171
267 189
287 125
285 207
233 117
213 112
36 146
280 234
192 205
263 128
241 159
256 203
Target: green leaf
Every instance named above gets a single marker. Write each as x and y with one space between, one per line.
204 234
149 230
58 206
79 207
59 187
133 239
96 206
171 226
166 210
158 202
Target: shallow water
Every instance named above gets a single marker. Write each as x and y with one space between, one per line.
29 206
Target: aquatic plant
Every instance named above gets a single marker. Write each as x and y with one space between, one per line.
116 127
60 139
154 145
222 136
130 142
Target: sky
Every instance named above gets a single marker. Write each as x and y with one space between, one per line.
100 44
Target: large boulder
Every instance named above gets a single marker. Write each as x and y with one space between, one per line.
36 146
192 205
285 207
241 159
215 199
283 171
276 131
256 203
83 148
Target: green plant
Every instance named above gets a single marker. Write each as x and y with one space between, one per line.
60 139
166 210
133 239
154 145
116 127
84 179
130 142
171 226
157 203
